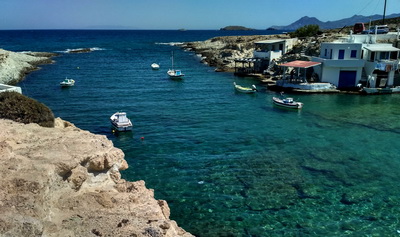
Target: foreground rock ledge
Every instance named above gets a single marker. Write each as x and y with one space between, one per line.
64 181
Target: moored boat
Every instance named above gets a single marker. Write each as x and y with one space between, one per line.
155 66
120 122
243 89
67 82
287 103
173 73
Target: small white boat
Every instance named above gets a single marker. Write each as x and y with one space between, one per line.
120 122
173 73
67 82
243 89
287 103
155 66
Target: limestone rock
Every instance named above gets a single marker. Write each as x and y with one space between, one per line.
64 181
14 66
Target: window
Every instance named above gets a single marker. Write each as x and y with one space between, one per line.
353 54
341 54
326 52
393 55
384 55
372 56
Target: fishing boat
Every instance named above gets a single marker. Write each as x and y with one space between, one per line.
287 103
155 66
243 89
120 122
67 82
173 73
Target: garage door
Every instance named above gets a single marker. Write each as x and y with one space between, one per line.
347 79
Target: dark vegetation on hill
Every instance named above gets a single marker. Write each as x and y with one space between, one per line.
22 109
236 28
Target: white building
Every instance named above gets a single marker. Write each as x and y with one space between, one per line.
273 49
357 60
4 88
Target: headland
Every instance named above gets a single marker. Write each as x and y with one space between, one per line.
64 181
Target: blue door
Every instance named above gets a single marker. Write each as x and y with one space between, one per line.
347 79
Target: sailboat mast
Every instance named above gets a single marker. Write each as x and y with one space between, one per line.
384 14
172 60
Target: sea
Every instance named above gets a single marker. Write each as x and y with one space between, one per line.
228 164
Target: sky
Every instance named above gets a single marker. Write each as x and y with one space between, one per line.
178 14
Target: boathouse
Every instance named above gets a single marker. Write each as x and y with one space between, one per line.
265 52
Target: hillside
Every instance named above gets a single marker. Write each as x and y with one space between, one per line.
336 24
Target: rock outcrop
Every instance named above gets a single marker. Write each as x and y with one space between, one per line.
64 181
14 66
221 52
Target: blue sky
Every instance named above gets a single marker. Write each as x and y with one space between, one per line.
176 14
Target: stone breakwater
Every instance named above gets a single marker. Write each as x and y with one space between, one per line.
64 181
14 66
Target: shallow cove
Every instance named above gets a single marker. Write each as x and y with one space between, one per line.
229 164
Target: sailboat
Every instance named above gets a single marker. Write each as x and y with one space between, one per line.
174 73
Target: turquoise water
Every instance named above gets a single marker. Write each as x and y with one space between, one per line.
228 164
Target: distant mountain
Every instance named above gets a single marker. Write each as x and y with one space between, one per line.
331 24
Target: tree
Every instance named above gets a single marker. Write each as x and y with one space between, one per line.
306 31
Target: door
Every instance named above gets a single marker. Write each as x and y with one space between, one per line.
341 54
347 79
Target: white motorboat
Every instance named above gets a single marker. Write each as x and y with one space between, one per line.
173 73
120 122
155 66
287 103
243 89
67 82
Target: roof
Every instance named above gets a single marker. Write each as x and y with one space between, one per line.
381 48
300 64
270 41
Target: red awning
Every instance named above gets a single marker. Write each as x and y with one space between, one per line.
300 64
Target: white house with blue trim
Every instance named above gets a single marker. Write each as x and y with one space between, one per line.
358 60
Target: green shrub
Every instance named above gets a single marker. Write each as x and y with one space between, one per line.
22 109
306 31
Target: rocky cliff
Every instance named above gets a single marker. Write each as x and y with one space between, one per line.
64 181
14 66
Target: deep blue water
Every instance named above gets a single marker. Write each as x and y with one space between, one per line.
228 164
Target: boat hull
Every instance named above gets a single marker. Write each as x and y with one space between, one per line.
122 128
67 83
246 90
175 74
155 66
375 91
289 105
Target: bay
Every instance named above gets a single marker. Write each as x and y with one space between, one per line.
228 164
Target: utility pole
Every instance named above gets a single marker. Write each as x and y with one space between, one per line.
384 14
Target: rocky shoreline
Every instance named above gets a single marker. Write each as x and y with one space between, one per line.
221 52
64 181
14 66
